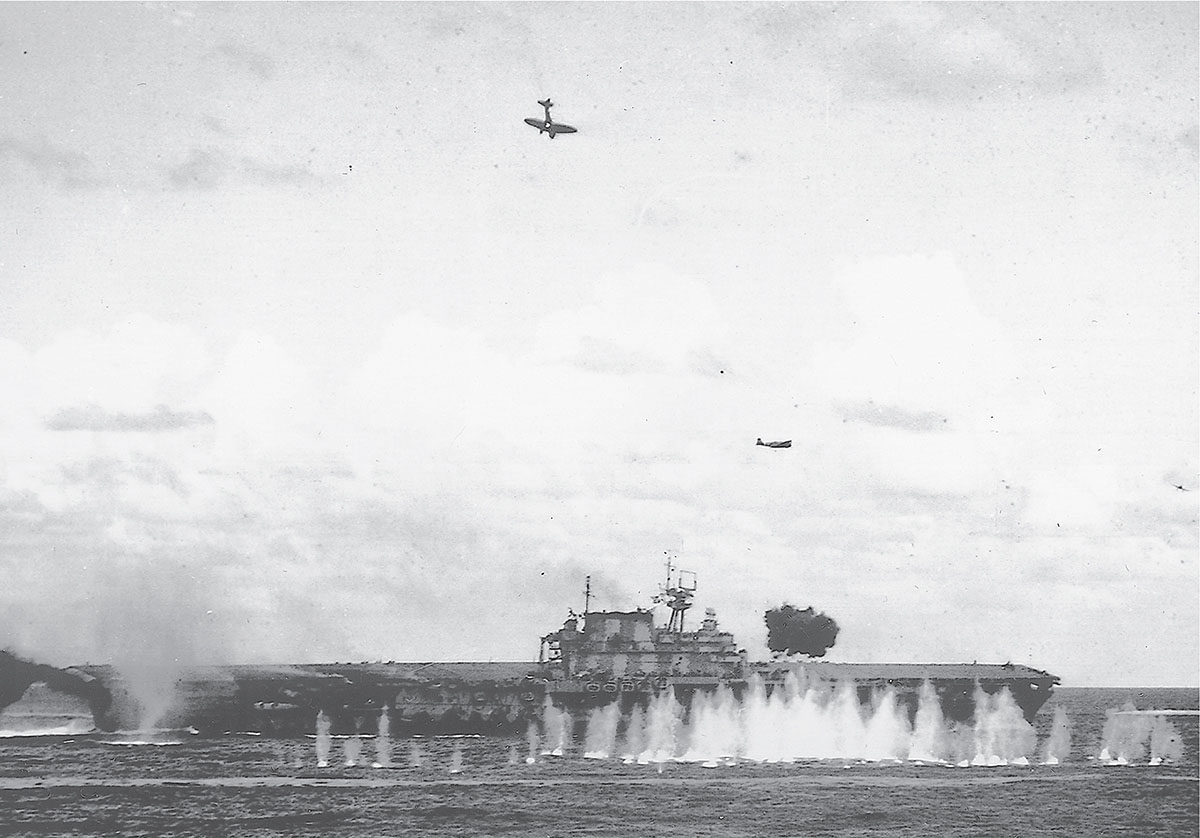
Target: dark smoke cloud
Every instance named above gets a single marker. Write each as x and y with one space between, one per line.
795 632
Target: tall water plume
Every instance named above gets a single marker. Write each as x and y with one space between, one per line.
1002 736
531 739
929 737
556 724
1058 744
323 740
1166 745
664 720
716 734
601 737
635 735
352 749
1125 735
383 741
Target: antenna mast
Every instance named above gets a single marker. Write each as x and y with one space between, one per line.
677 596
587 596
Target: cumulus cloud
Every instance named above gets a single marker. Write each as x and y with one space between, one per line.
362 521
910 336
647 319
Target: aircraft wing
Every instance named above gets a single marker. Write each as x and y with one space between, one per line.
559 128
536 123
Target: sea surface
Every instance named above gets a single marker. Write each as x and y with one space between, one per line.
1125 771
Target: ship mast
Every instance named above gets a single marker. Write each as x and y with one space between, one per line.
677 596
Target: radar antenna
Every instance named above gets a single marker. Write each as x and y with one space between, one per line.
677 594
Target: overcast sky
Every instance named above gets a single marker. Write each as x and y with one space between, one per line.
312 350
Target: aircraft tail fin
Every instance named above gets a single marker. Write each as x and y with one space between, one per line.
545 103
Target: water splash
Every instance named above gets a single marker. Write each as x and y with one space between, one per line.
383 741
323 740
352 749
1058 745
800 721
1131 736
1002 736
556 724
456 759
414 754
635 735
531 738
1166 745
664 720
929 737
602 732
151 686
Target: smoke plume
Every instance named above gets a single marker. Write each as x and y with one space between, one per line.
792 631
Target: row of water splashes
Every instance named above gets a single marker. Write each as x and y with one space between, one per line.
804 723
819 722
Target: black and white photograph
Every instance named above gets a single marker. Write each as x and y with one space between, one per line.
557 419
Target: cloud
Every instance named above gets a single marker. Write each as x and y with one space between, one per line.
201 170
948 51
209 168
909 336
93 418
257 63
648 319
315 523
54 163
889 416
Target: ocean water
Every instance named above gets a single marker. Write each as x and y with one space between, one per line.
1120 770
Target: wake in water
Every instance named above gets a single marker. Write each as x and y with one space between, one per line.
11 728
152 737
819 722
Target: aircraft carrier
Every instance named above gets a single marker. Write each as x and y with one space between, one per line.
596 658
